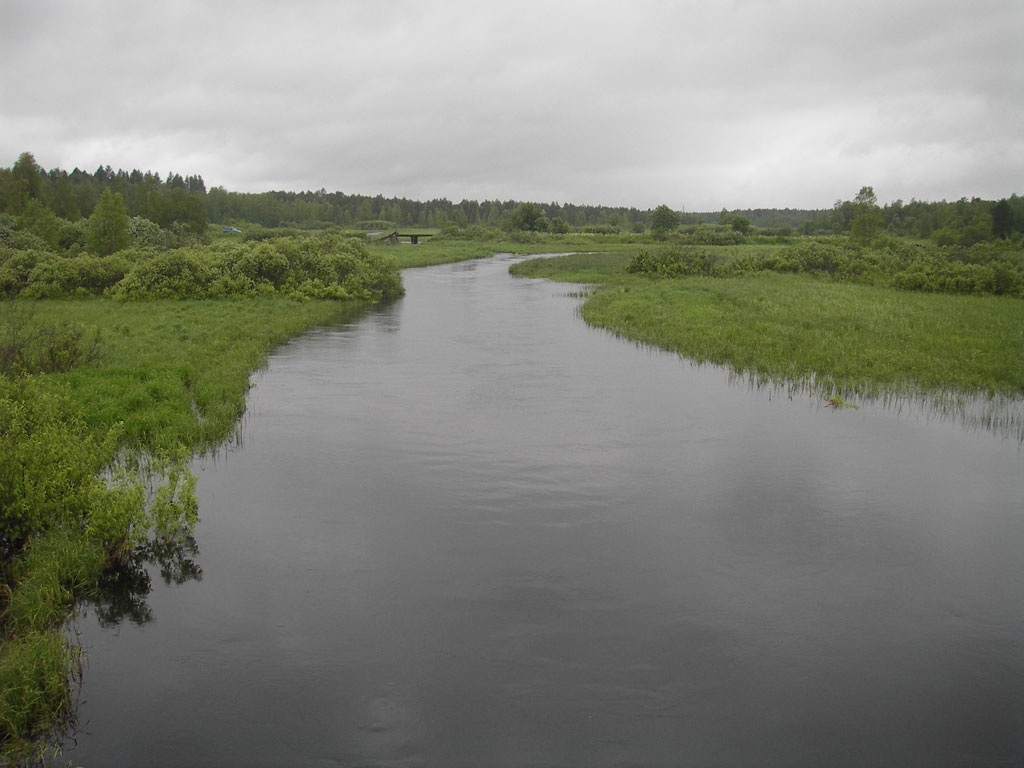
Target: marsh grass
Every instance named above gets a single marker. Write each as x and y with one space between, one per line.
39 664
848 338
962 355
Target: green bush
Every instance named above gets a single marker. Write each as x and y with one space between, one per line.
262 263
171 275
673 262
713 235
78 275
16 265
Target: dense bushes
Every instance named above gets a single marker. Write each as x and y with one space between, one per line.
673 262
985 268
712 235
322 266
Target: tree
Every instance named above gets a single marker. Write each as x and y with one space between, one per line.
108 226
1002 219
27 169
867 217
526 217
40 221
740 224
663 220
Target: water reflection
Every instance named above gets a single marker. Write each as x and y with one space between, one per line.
124 588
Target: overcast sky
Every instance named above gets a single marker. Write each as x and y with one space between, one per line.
697 104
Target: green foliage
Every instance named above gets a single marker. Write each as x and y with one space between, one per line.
1002 219
48 461
170 275
525 217
664 220
41 222
35 672
108 226
36 659
741 224
144 233
71 235
78 276
558 226
574 267
983 268
321 266
674 262
712 235
51 470
867 218
28 345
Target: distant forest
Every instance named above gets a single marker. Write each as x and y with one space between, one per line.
43 200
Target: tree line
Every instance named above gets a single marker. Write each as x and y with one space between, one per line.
45 201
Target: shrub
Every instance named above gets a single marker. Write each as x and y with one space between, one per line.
17 265
145 233
673 262
262 263
713 235
64 276
172 275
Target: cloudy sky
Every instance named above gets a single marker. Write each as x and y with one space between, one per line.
699 104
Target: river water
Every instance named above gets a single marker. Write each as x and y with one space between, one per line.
466 529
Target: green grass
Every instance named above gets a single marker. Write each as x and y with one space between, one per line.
431 251
853 339
575 267
37 661
177 372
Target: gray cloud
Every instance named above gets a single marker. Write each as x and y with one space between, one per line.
701 105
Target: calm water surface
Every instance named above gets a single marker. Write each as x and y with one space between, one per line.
468 530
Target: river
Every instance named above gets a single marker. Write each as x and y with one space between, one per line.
465 529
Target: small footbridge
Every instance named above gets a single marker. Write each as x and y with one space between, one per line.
396 237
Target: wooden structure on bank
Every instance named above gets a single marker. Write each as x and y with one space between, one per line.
414 237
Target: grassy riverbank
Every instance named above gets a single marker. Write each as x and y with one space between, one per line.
854 340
